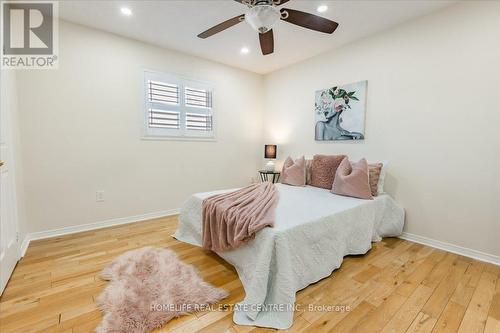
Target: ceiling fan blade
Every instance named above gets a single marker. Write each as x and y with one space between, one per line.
310 21
267 42
222 26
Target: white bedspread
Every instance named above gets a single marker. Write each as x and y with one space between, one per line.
314 230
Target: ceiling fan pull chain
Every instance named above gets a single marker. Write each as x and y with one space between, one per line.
284 14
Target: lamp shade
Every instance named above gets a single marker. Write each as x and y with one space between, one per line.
270 151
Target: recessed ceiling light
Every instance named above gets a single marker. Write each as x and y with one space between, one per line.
244 50
322 8
126 11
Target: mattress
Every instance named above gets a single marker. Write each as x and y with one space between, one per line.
314 229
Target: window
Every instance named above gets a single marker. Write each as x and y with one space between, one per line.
177 107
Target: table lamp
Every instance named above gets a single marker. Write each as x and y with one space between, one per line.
270 154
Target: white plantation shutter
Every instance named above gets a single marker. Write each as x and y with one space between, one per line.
177 107
198 98
198 122
198 101
164 119
163 92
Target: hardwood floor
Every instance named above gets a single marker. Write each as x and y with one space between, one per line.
398 286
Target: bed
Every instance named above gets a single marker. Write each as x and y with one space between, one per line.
314 229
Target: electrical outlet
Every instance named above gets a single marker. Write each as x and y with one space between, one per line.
99 196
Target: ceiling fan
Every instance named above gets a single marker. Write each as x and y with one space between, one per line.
262 15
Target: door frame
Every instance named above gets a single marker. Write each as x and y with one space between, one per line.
9 161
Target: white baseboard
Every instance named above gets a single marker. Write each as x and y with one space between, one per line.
478 255
92 226
24 246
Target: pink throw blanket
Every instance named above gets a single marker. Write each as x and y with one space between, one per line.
231 219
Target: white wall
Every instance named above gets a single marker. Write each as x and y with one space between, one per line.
433 111
81 128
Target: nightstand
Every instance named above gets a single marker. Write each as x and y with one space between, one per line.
265 175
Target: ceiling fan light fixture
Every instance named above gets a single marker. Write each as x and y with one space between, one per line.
262 18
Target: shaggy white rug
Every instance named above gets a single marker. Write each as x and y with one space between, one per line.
148 287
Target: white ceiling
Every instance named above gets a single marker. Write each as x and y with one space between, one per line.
175 24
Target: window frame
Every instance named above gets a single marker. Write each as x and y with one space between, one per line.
181 134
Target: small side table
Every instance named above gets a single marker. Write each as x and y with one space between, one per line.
264 175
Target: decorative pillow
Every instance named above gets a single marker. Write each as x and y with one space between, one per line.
381 179
374 170
294 173
352 179
308 171
323 169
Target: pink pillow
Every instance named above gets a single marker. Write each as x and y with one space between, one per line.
308 171
294 173
323 170
352 179
374 171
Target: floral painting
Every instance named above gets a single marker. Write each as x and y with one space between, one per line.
340 112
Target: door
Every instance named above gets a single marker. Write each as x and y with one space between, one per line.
9 249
